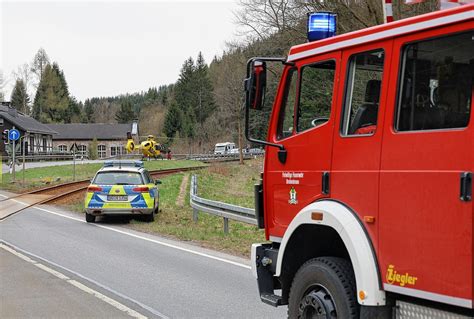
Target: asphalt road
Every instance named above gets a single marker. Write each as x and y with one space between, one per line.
152 275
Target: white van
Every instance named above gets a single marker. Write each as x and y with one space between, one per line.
224 148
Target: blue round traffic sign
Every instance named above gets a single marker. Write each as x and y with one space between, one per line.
13 134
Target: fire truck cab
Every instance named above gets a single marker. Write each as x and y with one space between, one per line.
366 192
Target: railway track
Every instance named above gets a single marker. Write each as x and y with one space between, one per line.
56 192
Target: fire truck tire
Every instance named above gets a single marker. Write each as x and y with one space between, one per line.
324 287
90 218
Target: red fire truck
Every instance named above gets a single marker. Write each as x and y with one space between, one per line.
366 192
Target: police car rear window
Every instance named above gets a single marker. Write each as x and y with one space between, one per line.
118 178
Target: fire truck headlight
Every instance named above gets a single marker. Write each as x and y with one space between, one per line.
321 25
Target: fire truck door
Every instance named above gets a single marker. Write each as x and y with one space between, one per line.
357 145
426 217
304 126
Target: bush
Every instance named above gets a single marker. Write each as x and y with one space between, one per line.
92 150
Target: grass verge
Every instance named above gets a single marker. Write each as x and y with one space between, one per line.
226 182
41 176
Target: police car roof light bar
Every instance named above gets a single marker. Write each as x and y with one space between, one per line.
124 163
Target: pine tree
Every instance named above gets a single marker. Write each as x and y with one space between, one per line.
205 103
185 96
173 120
125 114
73 112
52 97
194 96
20 99
88 113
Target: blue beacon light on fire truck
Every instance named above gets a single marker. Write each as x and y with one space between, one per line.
321 25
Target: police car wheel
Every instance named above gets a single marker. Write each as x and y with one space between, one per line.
324 288
150 217
90 218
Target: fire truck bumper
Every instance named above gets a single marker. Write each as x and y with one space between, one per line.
264 260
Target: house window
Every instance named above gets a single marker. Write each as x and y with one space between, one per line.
62 148
116 150
101 151
45 145
82 150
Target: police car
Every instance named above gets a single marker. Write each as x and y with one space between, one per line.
122 188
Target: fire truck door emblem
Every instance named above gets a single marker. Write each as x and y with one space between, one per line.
394 278
293 200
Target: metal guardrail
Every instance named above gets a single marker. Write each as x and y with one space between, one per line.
47 157
221 157
227 211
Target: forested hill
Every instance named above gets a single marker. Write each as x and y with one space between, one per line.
205 105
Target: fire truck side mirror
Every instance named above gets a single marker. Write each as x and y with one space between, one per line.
255 85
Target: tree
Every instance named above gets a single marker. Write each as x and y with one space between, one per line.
184 97
2 85
52 99
205 104
229 94
88 113
125 114
193 94
173 120
92 150
73 113
19 98
23 73
40 61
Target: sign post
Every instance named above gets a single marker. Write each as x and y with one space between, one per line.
13 135
73 149
24 153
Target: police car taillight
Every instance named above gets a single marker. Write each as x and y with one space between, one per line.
92 189
141 189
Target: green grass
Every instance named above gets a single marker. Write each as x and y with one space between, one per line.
37 177
230 183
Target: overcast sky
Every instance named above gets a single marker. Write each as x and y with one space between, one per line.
112 47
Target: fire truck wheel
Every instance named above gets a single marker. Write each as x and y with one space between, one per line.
90 218
324 287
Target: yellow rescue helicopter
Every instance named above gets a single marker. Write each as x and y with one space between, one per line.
149 148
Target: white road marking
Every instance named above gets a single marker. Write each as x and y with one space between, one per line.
110 301
147 239
82 287
52 271
15 249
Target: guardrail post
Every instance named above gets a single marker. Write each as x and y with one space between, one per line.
226 225
194 192
224 210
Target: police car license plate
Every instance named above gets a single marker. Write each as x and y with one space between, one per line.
117 198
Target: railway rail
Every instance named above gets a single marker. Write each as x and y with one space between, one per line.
59 191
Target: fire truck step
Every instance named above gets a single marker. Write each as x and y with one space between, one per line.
271 299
